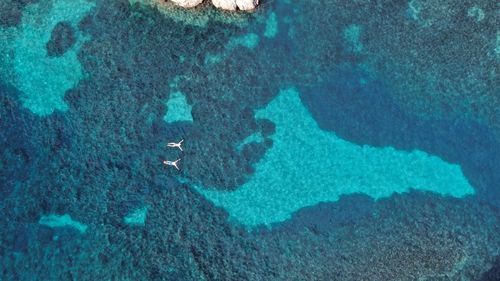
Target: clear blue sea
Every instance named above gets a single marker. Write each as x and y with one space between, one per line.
306 140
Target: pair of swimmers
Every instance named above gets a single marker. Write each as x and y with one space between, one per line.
174 163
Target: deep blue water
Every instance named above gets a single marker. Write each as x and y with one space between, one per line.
83 191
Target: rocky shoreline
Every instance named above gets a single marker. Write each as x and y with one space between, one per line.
229 5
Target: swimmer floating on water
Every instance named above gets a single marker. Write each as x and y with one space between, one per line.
175 144
172 163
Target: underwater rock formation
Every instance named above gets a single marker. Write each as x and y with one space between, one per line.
61 39
11 12
230 5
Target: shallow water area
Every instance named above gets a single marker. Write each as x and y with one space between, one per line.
307 166
352 140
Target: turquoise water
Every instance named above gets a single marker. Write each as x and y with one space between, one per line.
44 80
56 221
177 109
306 166
324 140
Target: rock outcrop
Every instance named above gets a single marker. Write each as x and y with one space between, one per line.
187 3
229 5
247 5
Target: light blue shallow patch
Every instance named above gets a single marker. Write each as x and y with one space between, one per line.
178 109
497 45
413 10
213 58
136 217
254 138
271 26
42 79
55 221
249 40
351 37
307 165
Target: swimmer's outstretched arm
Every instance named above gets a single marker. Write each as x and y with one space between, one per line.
175 163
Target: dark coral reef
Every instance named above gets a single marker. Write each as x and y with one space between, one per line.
11 12
61 39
